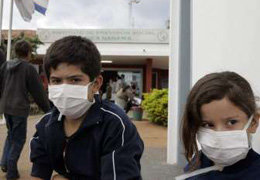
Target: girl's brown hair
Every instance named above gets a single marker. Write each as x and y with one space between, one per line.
214 86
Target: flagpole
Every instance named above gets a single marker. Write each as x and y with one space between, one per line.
2 121
10 31
9 40
1 19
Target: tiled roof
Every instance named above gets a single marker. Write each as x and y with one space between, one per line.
15 33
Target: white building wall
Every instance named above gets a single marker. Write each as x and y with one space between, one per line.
117 49
226 36
115 42
114 49
135 51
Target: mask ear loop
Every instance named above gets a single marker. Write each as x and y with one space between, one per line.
88 89
92 83
249 122
246 127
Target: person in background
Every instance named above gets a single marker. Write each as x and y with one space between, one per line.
2 60
221 115
112 83
124 98
108 92
18 79
134 86
123 83
44 81
83 137
120 82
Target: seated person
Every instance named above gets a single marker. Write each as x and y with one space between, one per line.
221 114
83 137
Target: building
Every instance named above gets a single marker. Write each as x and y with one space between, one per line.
140 54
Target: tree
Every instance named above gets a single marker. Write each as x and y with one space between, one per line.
34 41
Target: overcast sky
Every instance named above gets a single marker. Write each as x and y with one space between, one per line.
93 14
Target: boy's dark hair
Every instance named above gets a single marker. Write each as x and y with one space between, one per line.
74 50
214 86
22 48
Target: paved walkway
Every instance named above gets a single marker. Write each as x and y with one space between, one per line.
154 165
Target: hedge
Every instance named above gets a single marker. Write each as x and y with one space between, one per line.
155 105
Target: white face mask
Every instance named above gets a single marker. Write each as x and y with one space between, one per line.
71 100
225 148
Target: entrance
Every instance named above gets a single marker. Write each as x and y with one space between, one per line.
133 77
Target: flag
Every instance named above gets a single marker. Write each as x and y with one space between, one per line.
41 6
26 8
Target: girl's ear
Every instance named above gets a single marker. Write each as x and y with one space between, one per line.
254 124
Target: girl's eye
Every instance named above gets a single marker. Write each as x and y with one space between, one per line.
232 122
207 125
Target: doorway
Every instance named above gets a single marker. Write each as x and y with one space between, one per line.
133 77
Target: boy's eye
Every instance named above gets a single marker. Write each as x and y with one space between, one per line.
75 80
232 122
55 81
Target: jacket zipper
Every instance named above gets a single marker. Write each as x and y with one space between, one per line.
64 155
65 151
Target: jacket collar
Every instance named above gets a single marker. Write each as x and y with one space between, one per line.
251 157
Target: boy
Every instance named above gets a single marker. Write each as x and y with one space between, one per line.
82 138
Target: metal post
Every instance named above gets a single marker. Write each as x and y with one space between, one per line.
179 76
10 31
130 13
1 19
131 19
2 121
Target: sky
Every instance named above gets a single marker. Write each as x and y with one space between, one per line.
94 14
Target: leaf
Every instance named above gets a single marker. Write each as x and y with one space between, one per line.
156 106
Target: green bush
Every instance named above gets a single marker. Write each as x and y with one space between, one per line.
156 106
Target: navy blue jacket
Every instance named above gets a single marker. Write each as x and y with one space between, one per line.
245 169
107 146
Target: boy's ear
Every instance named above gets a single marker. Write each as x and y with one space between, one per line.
254 124
97 83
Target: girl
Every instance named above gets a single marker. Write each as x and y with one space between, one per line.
220 114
